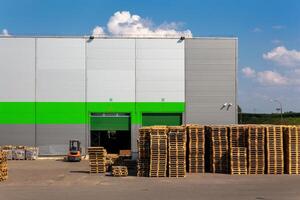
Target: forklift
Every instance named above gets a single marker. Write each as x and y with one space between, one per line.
74 154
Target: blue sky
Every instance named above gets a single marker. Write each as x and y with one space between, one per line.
268 32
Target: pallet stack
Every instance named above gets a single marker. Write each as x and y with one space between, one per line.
143 162
196 150
237 149
97 159
158 151
292 149
177 151
3 166
238 160
256 149
218 149
119 171
274 147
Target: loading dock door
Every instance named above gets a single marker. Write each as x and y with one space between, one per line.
112 131
170 119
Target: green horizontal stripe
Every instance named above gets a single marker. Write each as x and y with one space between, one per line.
78 112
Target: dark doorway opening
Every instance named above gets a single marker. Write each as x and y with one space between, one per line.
112 141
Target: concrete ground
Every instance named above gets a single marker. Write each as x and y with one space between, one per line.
51 179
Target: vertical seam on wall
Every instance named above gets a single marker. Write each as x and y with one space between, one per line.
185 78
35 91
86 130
235 85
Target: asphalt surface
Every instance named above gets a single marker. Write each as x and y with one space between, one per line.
50 179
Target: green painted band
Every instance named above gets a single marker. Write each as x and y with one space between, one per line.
79 112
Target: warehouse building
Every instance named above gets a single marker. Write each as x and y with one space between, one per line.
101 90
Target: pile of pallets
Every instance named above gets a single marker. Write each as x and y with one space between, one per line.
3 166
256 149
292 149
143 144
97 159
177 151
218 141
237 147
158 151
196 148
238 160
119 171
274 147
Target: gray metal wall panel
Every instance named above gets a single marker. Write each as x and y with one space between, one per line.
159 70
17 134
17 69
54 138
210 72
60 70
111 70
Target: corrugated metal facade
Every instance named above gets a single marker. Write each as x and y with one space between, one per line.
50 86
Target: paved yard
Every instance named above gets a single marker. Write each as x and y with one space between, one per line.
50 179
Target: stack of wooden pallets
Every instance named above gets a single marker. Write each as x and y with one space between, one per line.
119 171
237 147
97 159
143 144
177 151
274 147
158 151
256 149
292 149
196 150
238 160
218 149
3 166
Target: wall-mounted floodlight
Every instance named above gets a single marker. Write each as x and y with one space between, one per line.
92 37
229 105
223 106
182 38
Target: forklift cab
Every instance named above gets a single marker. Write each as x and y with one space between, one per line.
74 153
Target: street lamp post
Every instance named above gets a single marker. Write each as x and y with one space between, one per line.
280 104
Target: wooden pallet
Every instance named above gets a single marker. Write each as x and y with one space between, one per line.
177 151
143 144
119 171
3 166
218 149
292 149
274 149
238 160
196 148
256 149
97 159
158 151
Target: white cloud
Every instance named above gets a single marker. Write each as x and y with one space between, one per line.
249 72
5 33
271 78
284 57
257 30
98 31
123 23
278 27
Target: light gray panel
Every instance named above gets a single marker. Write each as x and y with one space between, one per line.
210 74
111 70
159 70
53 139
17 69
17 134
60 70
134 137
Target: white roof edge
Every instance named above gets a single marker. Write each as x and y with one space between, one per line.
117 37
